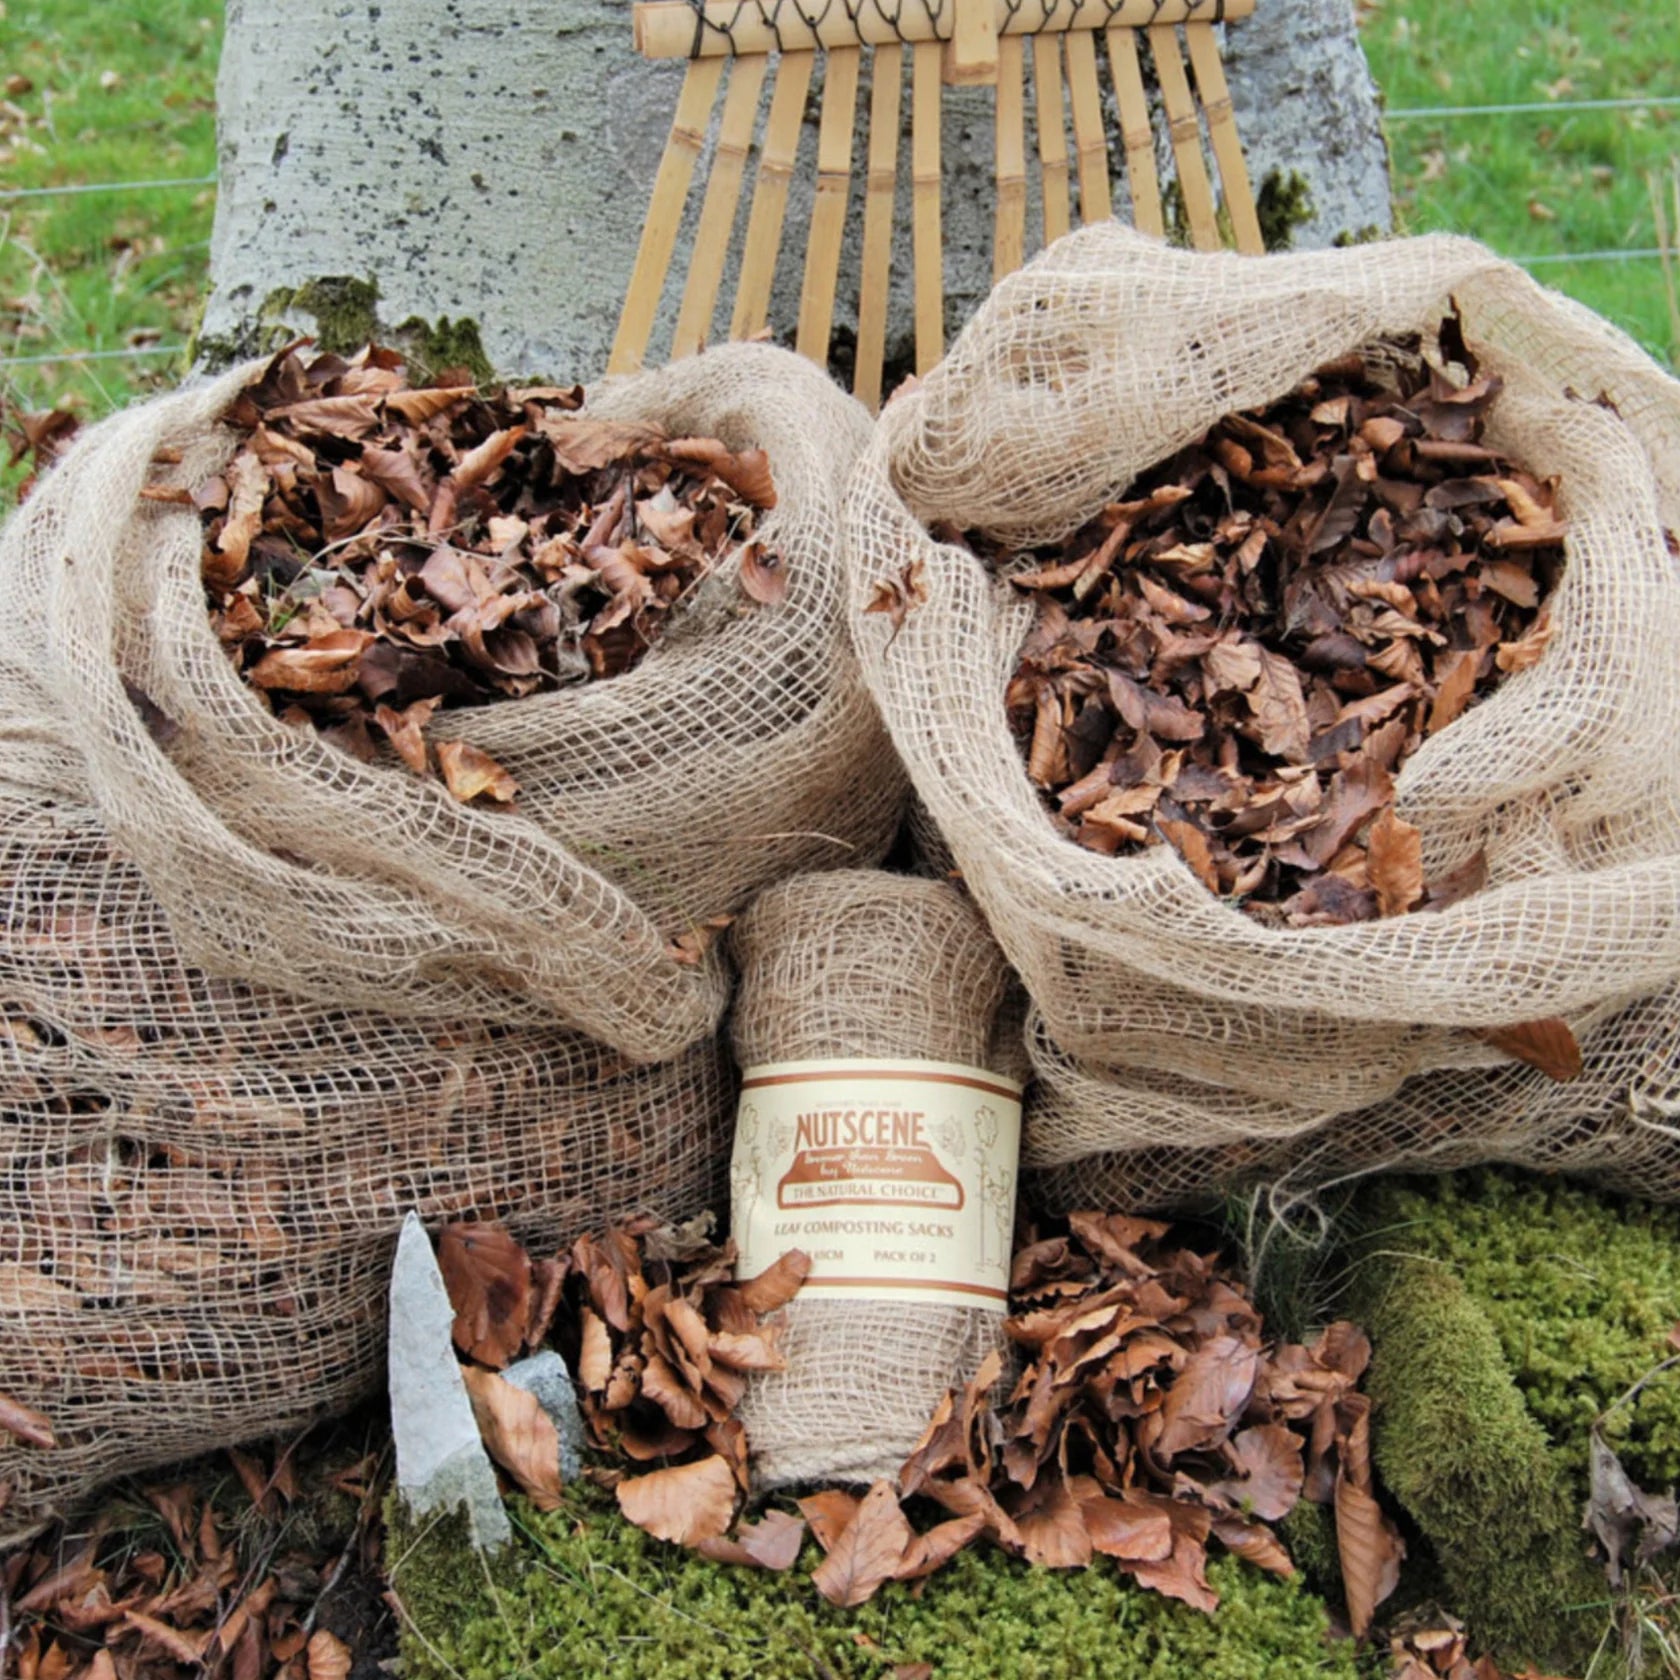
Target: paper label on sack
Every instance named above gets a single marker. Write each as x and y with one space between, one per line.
896 1176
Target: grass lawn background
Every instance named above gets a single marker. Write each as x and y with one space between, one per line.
94 92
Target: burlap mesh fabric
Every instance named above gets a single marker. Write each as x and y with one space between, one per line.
858 963
742 750
257 998
1167 1021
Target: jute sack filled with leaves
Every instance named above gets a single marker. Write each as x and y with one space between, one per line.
741 750
861 964
1166 1017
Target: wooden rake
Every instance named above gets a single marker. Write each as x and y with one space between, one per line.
958 42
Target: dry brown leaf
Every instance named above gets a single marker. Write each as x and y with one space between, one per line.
469 773
1455 690
1394 863
773 1542
1128 1528
1280 708
933 1550
1208 1395
1254 1543
1525 652
405 730
868 1552
187 1647
595 1355
685 1504
329 1656
1549 1045
488 1276
27 1424
777 1284
747 473
517 1433
328 664
830 1513
480 465
417 407
1371 1551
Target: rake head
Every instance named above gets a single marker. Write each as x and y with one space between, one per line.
948 42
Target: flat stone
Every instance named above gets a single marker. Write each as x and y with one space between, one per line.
545 1375
441 1462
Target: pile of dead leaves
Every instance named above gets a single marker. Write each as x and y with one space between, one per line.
215 1579
1237 657
374 551
1150 1417
1435 1649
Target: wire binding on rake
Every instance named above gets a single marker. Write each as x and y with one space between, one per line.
951 42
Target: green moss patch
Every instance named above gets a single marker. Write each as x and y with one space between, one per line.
585 1596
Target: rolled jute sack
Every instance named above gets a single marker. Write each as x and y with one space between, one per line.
1167 1020
869 967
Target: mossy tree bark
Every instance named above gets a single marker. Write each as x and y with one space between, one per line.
479 170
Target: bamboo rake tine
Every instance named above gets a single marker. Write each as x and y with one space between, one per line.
717 210
881 185
926 239
1052 135
1009 233
828 212
1135 132
1222 131
770 195
1090 141
1186 134
664 217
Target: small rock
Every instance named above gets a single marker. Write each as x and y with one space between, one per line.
440 1459
545 1375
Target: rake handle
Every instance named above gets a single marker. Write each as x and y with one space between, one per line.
675 29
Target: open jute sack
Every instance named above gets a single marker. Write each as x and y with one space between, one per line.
859 963
1166 1020
257 998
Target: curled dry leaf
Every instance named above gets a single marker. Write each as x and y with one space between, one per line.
763 574
686 1503
470 773
773 1542
517 1433
328 1657
746 473
777 1284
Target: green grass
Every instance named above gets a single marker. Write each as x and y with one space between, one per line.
97 92
1537 184
127 92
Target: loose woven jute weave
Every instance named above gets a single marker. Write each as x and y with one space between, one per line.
1167 1020
257 998
860 963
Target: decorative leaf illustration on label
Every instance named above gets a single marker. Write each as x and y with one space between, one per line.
896 1177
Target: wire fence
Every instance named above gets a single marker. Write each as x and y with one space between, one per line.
1409 113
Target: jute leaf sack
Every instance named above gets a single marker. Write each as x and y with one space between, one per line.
862 964
1165 1018
743 748
257 997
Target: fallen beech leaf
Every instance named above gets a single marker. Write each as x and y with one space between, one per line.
746 473
1548 1045
1267 1460
868 1552
183 1646
27 1424
830 1513
1525 652
1394 864
1253 1543
763 574
1208 1395
896 596
773 1542
488 1276
1370 1549
595 1354
248 484
416 407
469 773
1052 1527
1128 1528
934 1549
326 664
479 466
685 1504
777 1284
329 1657
339 417
517 1433
405 730
348 502
1181 1575
1455 691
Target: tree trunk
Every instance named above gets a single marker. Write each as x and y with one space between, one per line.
469 177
